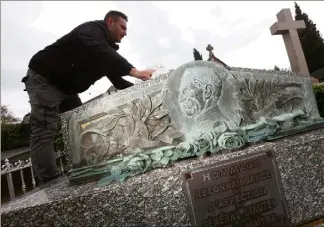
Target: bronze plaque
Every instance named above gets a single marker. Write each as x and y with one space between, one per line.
244 192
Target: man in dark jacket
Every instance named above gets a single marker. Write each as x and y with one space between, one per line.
65 68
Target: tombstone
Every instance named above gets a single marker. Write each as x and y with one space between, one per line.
264 125
198 97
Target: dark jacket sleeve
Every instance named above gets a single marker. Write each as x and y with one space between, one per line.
106 57
119 82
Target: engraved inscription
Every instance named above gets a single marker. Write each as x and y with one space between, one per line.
231 170
232 200
244 192
233 184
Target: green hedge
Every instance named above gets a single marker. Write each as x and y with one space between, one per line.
14 136
17 135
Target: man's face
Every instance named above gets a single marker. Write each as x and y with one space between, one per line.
117 29
190 98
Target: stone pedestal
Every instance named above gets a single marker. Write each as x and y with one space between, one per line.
157 198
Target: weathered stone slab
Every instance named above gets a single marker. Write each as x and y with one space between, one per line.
158 198
74 122
200 107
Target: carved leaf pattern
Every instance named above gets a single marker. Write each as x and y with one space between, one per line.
158 114
112 123
141 130
134 109
143 125
146 105
165 138
162 125
151 123
117 112
258 98
118 134
130 125
172 133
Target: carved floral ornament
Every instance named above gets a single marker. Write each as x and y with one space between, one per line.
145 125
266 98
142 137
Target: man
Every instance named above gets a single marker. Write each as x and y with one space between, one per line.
65 68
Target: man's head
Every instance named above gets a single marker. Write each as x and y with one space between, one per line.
117 25
199 88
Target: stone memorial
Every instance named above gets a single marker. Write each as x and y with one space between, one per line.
132 154
199 108
158 127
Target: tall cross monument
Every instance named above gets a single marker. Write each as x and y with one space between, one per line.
287 27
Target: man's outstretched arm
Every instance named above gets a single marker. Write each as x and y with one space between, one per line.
119 82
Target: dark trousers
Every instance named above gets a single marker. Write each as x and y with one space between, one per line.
46 103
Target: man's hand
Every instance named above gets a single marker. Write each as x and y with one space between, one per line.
142 75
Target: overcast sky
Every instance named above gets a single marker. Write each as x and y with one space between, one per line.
159 33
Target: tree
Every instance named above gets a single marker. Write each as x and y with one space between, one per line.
197 55
7 116
311 41
276 68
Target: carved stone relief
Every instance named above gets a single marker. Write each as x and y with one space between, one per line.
200 96
198 108
144 125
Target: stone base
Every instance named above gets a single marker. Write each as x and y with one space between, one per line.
157 198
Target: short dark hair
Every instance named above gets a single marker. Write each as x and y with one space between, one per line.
115 15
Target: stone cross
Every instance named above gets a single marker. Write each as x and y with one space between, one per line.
287 27
210 49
